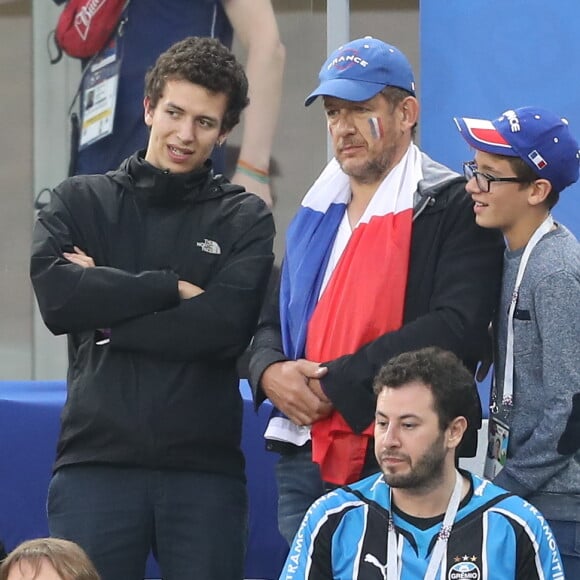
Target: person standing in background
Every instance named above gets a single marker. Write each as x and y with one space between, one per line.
523 161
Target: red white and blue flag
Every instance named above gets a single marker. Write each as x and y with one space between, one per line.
376 126
482 134
537 159
364 297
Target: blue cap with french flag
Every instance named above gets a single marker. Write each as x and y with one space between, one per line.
537 136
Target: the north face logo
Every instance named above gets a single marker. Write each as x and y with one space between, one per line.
209 246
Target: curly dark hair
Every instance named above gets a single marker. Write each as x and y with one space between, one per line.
452 385
205 62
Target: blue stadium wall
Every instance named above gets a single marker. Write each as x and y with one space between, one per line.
481 57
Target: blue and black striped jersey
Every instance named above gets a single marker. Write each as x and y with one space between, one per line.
496 536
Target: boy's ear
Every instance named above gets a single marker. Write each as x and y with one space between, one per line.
148 111
539 192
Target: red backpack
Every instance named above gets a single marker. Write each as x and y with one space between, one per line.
85 26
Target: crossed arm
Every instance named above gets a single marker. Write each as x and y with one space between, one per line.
151 311
186 289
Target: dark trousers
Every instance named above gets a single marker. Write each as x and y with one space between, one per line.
567 536
300 484
196 523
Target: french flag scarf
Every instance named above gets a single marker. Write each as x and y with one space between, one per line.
364 296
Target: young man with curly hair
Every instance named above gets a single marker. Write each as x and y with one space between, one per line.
156 272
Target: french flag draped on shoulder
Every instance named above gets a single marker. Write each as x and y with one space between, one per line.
364 293
309 241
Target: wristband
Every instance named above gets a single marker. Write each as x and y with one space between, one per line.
254 172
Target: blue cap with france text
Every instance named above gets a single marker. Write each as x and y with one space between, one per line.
537 136
360 69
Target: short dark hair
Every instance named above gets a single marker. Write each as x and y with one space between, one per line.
205 62
68 559
452 385
522 170
394 96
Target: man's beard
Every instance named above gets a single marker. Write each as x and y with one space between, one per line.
427 471
374 170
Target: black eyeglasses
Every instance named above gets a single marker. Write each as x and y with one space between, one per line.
484 180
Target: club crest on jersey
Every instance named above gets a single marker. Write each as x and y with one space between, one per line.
465 569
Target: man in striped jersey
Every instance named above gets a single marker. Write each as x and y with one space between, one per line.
421 518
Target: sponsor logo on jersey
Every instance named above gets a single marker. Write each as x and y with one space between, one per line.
375 562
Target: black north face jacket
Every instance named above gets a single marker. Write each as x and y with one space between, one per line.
163 393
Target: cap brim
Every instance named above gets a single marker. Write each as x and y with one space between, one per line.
345 89
482 135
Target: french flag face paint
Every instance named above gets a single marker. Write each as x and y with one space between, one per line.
376 126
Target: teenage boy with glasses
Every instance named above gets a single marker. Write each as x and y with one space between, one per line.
523 160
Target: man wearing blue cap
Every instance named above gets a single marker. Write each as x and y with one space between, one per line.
523 161
383 257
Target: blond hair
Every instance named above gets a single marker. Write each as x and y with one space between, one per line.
69 560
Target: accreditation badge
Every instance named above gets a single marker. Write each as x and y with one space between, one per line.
99 96
497 446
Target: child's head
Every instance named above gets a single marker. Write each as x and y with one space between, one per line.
537 143
48 559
